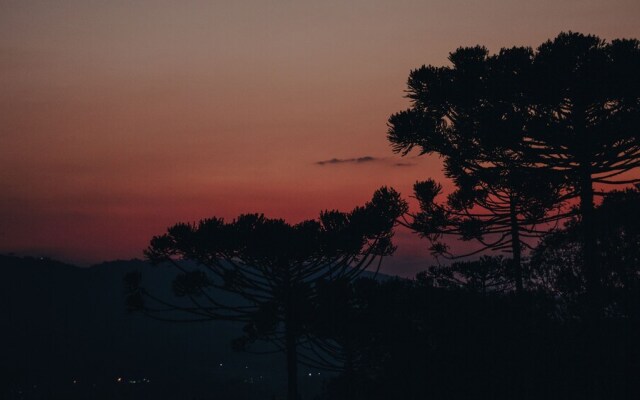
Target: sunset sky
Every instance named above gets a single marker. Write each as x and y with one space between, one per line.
120 118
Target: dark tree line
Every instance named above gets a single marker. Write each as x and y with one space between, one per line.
464 333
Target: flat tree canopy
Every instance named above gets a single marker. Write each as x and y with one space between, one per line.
273 267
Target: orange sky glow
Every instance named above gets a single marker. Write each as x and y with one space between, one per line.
118 119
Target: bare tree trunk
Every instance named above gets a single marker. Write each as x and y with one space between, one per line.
585 186
291 348
292 366
589 242
516 248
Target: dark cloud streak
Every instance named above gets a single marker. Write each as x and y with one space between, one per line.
357 160
363 159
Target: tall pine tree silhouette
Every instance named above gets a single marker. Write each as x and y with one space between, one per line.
586 123
474 114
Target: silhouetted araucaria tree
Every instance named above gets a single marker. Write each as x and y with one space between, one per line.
585 124
274 267
474 115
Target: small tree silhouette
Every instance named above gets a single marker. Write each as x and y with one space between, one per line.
488 274
274 267
557 259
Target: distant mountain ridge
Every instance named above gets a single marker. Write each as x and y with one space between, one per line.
64 323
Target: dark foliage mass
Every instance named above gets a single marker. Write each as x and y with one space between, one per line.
486 275
464 333
460 344
556 261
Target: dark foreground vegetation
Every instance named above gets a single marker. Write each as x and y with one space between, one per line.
462 331
459 344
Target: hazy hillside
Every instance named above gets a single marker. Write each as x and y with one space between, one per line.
63 324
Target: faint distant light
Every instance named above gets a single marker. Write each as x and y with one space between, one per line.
309 373
74 382
318 373
119 379
246 367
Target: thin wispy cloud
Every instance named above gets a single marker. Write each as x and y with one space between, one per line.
357 160
403 164
365 159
